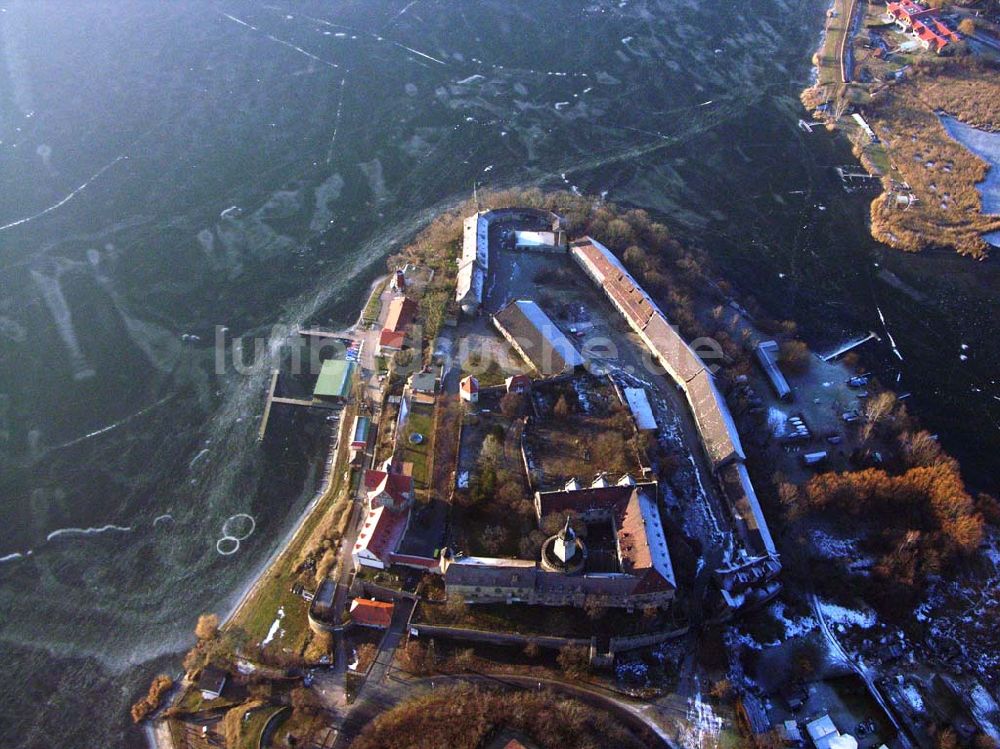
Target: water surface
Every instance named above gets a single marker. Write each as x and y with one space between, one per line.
129 131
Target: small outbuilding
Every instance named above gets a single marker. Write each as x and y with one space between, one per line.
211 683
642 411
469 389
390 341
767 357
371 613
519 383
398 282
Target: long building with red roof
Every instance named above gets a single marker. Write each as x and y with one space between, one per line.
923 23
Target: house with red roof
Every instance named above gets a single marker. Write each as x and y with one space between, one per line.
468 389
390 341
393 490
366 612
402 312
905 12
519 383
923 23
380 534
933 34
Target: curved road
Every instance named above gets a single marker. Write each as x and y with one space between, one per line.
390 694
859 670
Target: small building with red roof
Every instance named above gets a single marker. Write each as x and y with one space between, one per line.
468 389
519 383
367 612
390 341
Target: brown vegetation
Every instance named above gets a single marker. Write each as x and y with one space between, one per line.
941 173
925 519
467 717
151 702
574 441
207 627
214 646
416 659
794 356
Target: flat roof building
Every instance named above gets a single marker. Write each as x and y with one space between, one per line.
335 379
767 357
642 411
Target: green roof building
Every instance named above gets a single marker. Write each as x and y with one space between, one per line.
334 379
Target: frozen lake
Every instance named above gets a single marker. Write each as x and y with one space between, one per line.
985 145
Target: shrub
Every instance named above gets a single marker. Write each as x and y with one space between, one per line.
151 702
574 660
794 355
207 627
416 659
561 409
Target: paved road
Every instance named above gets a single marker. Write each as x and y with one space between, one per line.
861 671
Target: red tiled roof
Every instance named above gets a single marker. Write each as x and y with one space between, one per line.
381 532
470 385
397 485
392 338
908 10
618 284
518 381
371 613
402 310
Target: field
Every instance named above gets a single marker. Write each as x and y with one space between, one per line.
556 621
492 514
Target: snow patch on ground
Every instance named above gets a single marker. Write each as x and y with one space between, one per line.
776 419
803 625
275 627
703 725
846 617
912 695
831 547
582 396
